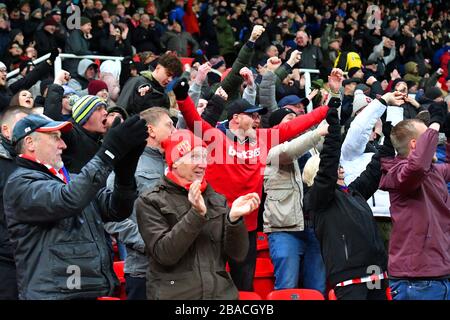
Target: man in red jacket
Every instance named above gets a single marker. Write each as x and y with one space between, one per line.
238 159
419 255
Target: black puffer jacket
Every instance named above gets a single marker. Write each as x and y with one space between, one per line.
134 103
57 230
343 221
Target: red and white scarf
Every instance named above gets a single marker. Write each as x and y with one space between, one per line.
61 173
175 180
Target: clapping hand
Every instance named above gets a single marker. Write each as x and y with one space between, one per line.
243 205
196 199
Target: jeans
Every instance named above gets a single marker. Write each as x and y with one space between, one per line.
243 272
135 288
420 289
296 255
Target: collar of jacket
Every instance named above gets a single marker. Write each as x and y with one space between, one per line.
153 152
156 87
6 149
172 187
28 164
94 136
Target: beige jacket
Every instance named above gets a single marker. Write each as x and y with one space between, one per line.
283 208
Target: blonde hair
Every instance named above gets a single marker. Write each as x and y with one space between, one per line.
402 134
152 115
310 170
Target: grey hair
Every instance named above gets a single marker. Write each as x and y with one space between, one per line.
19 147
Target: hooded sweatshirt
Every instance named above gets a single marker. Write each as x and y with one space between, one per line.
110 74
411 73
420 211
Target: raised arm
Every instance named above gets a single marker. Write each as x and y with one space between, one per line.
359 133
409 177
50 200
233 80
322 191
300 124
187 107
38 73
290 151
267 90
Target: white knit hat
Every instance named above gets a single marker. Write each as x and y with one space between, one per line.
360 100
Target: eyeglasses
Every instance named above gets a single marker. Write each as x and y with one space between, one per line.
253 115
3 70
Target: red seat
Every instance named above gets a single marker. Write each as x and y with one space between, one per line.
118 270
388 294
264 280
249 295
295 294
331 295
107 298
262 245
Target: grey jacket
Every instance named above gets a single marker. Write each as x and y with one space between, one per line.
149 171
57 232
283 209
267 96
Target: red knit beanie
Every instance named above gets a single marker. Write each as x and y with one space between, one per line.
180 143
49 21
95 86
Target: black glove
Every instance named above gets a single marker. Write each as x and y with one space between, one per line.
54 53
123 137
125 168
387 149
181 88
437 113
332 117
387 128
447 125
334 103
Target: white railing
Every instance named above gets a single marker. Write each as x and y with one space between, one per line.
58 61
307 73
37 61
